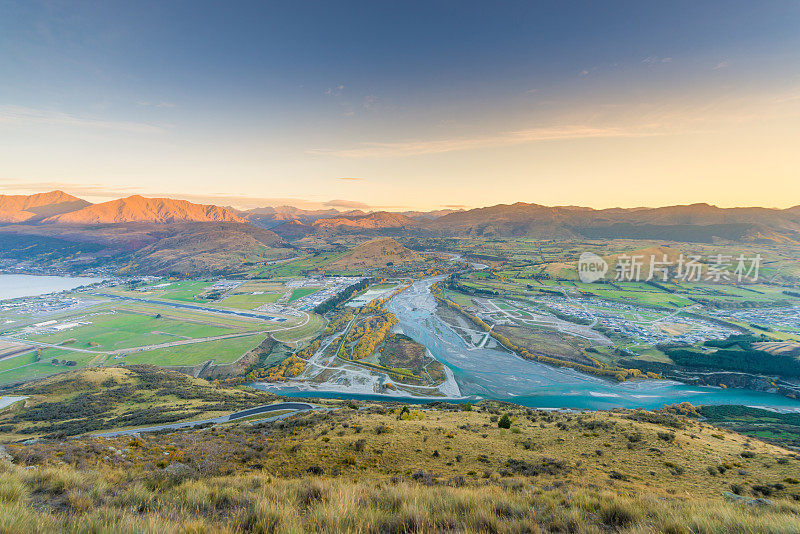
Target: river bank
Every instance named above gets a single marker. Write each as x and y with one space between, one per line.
498 374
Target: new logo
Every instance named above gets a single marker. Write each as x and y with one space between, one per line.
591 267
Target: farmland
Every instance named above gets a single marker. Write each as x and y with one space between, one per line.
138 323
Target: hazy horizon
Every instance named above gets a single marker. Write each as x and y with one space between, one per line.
245 203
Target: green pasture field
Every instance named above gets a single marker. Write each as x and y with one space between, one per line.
267 286
126 330
730 292
182 291
302 292
249 301
652 298
25 367
299 266
199 316
344 273
221 351
386 285
315 325
640 293
186 291
459 298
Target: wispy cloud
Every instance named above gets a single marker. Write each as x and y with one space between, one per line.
370 102
21 115
334 91
347 204
349 179
80 190
656 59
721 65
421 147
155 105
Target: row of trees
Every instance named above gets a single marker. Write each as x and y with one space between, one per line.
343 296
371 334
745 361
338 321
309 351
288 368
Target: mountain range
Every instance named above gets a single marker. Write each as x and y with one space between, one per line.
693 223
26 208
140 209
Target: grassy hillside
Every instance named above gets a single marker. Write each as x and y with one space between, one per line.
375 254
373 467
94 399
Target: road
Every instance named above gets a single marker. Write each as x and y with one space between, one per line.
294 406
182 305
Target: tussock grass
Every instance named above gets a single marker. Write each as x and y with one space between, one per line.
64 499
444 470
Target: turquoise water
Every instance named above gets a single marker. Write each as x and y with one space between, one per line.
14 286
498 374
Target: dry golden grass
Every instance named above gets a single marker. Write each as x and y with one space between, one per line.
437 469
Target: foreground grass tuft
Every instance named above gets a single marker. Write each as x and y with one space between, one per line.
57 499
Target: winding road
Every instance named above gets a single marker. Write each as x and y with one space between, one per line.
266 408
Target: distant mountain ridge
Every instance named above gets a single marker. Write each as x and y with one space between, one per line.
24 208
136 208
694 222
369 221
269 217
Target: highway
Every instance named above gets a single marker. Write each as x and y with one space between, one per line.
266 408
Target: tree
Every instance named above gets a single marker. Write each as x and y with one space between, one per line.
504 422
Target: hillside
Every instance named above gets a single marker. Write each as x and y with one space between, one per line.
26 208
692 223
372 467
200 248
374 254
370 221
140 209
93 399
270 217
190 248
293 230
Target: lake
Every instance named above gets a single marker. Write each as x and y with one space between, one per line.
14 286
498 374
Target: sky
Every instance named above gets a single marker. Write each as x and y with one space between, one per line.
403 105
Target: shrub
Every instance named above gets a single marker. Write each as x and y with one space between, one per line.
760 489
667 436
504 422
